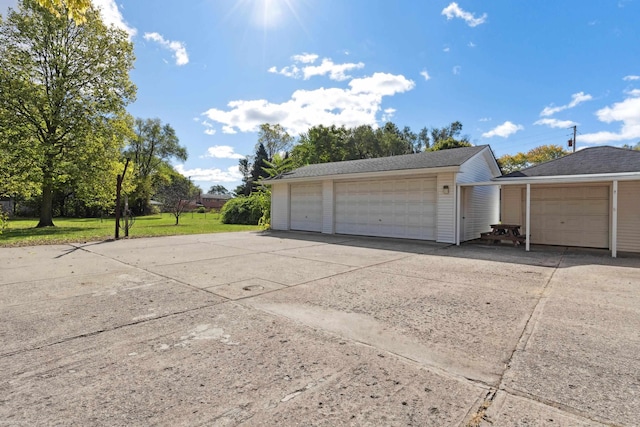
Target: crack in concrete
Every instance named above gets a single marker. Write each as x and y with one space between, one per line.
100 331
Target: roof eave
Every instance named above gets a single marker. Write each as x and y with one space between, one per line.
561 179
367 175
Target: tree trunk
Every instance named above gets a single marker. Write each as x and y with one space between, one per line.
46 210
177 218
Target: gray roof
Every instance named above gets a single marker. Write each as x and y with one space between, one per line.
424 160
595 160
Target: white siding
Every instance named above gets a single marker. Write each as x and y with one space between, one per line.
327 207
480 205
446 209
629 216
512 206
280 206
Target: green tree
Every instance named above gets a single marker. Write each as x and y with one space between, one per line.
632 147
259 163
244 189
544 153
448 137
175 194
74 9
152 147
65 86
278 166
275 139
218 189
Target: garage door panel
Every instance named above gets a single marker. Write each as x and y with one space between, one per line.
306 207
389 208
570 216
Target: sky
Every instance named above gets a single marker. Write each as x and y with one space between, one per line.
516 74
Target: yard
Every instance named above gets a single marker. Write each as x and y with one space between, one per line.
22 231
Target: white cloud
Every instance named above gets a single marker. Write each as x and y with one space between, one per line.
178 48
232 174
485 119
222 152
425 74
456 70
326 67
555 123
291 71
357 105
335 71
629 78
446 49
627 112
210 131
305 58
471 44
388 114
111 16
454 11
576 99
504 130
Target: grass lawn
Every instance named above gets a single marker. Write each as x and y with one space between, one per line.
22 232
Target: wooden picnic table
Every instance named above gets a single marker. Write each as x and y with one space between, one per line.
504 232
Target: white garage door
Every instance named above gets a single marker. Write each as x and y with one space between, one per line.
306 207
570 216
390 208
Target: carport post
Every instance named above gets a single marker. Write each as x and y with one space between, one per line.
458 213
614 221
528 218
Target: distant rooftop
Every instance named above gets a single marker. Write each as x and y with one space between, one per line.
594 160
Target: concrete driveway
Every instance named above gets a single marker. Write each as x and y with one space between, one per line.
305 329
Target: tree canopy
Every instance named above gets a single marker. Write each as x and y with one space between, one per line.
218 189
63 89
274 139
511 163
151 148
321 144
73 9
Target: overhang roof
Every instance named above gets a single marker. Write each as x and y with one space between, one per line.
425 160
590 161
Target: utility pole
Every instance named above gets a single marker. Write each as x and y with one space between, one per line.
572 142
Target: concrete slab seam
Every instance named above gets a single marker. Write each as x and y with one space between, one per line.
480 414
567 410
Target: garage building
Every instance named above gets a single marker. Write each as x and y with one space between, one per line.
590 198
414 196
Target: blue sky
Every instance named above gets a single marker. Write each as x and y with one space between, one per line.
517 74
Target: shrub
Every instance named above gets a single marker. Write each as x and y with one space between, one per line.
202 209
249 210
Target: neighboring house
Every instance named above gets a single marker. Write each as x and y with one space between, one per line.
214 201
413 196
590 198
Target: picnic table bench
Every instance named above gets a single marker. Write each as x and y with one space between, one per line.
501 232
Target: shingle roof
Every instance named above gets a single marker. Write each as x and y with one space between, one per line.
424 160
595 160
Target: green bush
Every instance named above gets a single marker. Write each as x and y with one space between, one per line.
202 209
249 210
